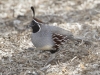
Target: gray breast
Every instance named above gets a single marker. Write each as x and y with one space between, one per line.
42 38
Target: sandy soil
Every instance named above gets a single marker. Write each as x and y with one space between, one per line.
18 55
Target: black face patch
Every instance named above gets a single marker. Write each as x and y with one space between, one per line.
35 26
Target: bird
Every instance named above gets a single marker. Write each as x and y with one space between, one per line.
47 37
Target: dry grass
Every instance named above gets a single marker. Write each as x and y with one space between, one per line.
17 54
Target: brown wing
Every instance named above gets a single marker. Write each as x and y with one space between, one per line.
58 40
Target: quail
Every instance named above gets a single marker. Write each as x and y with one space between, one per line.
46 37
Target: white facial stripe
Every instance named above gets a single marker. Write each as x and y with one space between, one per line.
35 21
39 28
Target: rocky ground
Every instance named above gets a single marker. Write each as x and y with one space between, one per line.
18 55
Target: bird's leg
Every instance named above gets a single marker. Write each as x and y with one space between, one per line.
53 51
51 58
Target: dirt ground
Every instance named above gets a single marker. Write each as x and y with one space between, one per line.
17 53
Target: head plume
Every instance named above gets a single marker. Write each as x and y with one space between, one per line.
37 20
32 8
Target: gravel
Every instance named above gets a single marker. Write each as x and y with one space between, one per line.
17 53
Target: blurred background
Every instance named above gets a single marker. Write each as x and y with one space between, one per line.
17 54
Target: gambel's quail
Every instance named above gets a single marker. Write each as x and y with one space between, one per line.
46 37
